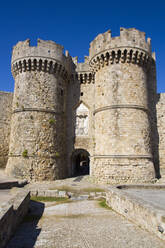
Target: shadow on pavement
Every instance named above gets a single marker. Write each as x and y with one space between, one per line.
28 231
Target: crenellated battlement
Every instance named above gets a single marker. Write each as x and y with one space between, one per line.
82 72
84 66
47 49
47 56
130 38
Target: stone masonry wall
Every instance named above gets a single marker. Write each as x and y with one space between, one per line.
152 100
38 126
5 119
80 93
161 130
122 124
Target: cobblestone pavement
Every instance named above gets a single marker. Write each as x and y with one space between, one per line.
80 224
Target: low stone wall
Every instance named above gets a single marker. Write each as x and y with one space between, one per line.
137 210
72 195
11 214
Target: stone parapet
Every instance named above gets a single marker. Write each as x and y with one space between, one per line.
47 56
131 38
140 211
11 215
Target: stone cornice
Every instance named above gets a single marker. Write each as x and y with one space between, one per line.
38 63
84 77
120 55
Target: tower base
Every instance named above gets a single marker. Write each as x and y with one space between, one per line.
35 168
122 170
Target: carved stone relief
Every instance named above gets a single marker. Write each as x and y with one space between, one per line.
82 119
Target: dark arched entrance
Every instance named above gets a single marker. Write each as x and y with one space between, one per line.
80 162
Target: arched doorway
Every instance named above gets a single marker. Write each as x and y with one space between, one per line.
80 162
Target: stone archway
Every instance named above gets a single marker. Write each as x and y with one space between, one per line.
80 162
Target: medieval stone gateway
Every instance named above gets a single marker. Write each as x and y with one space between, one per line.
107 106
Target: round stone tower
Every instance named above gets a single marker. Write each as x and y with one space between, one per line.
38 128
122 129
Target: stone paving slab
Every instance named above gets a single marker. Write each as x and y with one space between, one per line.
4 177
5 195
81 224
7 182
155 197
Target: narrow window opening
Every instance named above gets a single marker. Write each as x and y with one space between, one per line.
81 93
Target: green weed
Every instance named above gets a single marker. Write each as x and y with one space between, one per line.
103 204
25 153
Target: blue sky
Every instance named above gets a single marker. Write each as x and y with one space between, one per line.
74 24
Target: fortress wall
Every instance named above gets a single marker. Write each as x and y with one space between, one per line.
80 93
152 100
5 117
161 130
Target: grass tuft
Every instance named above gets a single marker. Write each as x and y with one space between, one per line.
52 121
93 190
103 204
25 153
